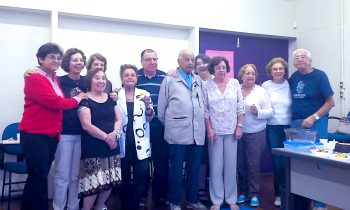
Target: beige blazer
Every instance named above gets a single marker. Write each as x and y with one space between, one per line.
181 110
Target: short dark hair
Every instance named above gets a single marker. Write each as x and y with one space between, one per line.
204 57
147 50
68 55
215 61
93 57
273 62
127 66
46 49
90 74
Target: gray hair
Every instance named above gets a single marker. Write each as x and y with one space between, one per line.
298 50
180 53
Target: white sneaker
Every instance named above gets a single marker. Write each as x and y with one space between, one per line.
196 206
278 201
319 208
174 207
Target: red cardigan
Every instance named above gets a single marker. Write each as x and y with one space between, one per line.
43 107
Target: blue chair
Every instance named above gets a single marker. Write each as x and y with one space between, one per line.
338 136
18 167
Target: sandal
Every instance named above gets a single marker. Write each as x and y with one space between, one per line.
215 207
234 207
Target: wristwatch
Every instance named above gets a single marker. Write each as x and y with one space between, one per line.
316 116
239 124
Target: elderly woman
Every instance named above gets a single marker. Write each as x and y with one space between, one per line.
67 157
100 158
201 63
97 60
136 110
281 101
41 125
224 109
257 111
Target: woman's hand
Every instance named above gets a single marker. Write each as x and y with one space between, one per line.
238 132
254 109
111 140
29 72
114 95
173 73
83 96
211 135
146 100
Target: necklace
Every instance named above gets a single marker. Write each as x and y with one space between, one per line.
128 98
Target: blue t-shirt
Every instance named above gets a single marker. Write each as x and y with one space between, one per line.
309 93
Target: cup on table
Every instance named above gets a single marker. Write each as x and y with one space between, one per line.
324 141
331 145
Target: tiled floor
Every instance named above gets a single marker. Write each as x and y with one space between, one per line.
266 198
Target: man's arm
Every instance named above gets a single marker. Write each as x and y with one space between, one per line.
162 100
327 106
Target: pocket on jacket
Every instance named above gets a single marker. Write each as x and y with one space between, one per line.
179 122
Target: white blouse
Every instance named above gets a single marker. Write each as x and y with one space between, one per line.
223 108
281 101
255 123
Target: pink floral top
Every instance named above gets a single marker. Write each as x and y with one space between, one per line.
223 108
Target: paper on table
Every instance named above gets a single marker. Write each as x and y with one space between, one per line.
10 142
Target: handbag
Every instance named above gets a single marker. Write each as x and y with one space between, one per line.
344 126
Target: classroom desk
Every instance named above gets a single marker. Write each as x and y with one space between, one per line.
325 179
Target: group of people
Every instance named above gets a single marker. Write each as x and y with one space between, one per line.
95 134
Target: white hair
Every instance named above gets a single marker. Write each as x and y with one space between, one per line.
298 50
180 53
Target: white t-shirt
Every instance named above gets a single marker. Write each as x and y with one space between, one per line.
281 101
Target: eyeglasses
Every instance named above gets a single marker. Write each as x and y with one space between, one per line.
279 68
151 59
52 57
301 57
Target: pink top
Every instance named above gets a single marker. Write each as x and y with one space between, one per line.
53 83
223 108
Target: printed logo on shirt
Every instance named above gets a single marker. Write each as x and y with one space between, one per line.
300 90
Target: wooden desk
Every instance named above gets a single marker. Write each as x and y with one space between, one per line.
319 178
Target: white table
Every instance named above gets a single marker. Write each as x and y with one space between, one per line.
319 178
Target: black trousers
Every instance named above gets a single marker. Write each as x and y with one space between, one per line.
132 192
39 151
160 157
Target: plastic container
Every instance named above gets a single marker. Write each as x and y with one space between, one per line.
300 135
301 146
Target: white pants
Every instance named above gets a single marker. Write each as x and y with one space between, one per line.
67 166
223 163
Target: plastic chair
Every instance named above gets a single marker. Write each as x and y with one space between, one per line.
338 136
18 167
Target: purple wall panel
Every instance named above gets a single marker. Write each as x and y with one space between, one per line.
258 51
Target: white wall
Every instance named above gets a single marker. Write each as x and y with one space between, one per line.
120 30
319 31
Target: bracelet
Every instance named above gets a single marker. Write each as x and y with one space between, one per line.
239 124
116 129
119 134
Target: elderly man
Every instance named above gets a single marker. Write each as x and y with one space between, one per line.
150 79
180 110
312 98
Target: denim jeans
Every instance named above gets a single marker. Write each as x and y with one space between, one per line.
275 137
321 126
178 154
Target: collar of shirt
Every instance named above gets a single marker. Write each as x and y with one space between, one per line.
142 72
42 72
182 73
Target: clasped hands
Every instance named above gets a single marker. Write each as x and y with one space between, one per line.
111 140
